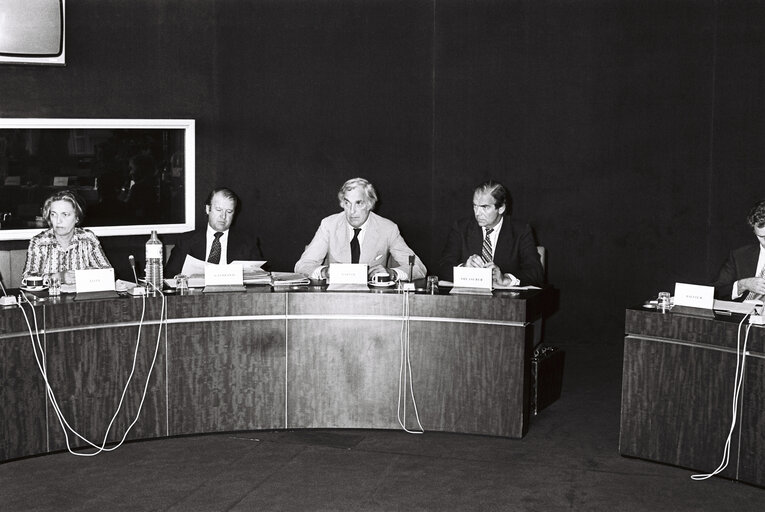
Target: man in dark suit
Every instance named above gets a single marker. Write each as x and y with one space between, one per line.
491 239
218 242
742 276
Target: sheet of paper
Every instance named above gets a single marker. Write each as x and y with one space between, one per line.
192 266
250 265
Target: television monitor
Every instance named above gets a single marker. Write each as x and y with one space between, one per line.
32 32
132 176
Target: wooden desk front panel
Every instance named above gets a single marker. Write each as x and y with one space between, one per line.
88 370
22 399
676 403
343 373
471 378
752 457
226 375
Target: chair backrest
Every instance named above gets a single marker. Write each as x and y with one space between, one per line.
543 258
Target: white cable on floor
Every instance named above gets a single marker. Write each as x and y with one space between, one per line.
51 395
738 380
405 371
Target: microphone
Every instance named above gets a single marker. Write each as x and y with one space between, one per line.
131 258
136 290
411 268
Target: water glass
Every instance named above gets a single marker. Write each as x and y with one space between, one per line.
432 285
54 285
662 303
182 284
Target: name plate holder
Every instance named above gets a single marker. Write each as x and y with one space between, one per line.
94 280
347 276
694 299
472 280
223 277
95 283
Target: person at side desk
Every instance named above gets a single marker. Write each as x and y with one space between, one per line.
358 235
64 247
490 239
218 241
742 276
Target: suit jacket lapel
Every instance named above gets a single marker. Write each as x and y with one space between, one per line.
371 241
474 238
342 240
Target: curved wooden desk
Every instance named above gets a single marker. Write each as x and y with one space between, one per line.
677 391
268 360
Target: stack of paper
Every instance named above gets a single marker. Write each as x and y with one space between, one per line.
288 279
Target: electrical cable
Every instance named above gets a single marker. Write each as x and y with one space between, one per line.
738 380
405 371
65 426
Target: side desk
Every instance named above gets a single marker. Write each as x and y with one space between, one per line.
677 392
264 359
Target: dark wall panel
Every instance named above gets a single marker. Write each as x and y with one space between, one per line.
596 115
315 93
629 132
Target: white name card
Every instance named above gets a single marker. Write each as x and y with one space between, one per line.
348 273
470 277
694 295
216 275
60 181
94 280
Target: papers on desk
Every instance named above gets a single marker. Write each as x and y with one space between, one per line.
288 279
252 272
517 288
744 308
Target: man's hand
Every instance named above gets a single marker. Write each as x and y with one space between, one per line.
475 261
379 269
752 284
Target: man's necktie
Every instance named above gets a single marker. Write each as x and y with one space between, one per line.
486 251
752 295
215 249
355 247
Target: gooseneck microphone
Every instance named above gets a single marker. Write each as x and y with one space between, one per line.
411 268
137 289
132 266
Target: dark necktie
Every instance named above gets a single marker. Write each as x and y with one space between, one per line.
486 251
215 249
355 247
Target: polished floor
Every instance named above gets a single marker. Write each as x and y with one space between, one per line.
568 461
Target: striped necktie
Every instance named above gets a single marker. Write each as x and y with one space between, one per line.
486 250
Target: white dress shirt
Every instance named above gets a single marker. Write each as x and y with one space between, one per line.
735 293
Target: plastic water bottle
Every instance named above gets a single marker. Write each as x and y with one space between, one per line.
154 267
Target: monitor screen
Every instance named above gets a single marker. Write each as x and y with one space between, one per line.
32 31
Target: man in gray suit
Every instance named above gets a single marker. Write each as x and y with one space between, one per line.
358 235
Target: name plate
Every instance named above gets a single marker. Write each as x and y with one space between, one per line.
470 277
60 181
94 280
694 295
348 273
216 275
13 180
